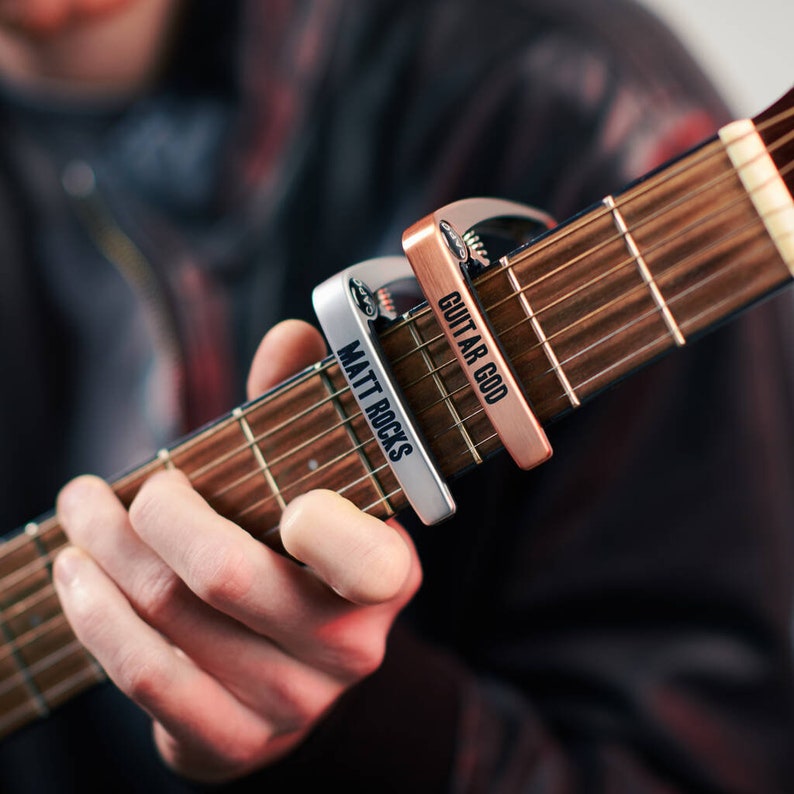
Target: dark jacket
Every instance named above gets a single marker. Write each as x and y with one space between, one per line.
616 620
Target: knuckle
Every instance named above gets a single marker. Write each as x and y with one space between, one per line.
353 655
221 576
139 673
146 505
378 578
80 509
299 700
246 750
365 660
156 593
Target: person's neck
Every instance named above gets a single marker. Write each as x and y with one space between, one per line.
112 56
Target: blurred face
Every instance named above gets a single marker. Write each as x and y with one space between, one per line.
47 17
98 46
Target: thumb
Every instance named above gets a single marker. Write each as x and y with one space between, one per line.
285 349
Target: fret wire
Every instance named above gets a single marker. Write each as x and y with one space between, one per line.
30 602
36 540
651 344
646 314
623 296
35 696
612 271
11 719
598 214
36 633
678 296
545 344
605 243
187 444
456 426
32 633
648 346
92 673
386 498
366 509
445 395
645 272
710 150
49 659
358 445
21 574
616 269
259 457
271 431
287 455
347 420
305 477
280 459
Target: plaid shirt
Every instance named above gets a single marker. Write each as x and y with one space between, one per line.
616 620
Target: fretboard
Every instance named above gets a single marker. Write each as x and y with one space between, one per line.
576 310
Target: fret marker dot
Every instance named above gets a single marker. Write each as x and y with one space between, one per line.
313 465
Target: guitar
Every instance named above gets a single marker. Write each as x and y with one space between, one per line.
578 308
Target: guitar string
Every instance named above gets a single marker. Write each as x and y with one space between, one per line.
88 674
764 243
711 150
335 396
619 238
53 657
634 353
639 288
578 386
628 264
629 261
655 217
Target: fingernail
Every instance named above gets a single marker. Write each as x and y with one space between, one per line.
73 497
67 566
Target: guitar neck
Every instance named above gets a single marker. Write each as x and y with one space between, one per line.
576 310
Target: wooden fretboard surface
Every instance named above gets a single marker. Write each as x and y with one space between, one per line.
577 310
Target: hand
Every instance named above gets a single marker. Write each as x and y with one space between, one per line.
235 651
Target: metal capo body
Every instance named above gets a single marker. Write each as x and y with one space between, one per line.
347 309
439 256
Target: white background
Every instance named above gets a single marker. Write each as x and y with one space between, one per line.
746 47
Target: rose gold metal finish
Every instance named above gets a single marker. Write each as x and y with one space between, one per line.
435 250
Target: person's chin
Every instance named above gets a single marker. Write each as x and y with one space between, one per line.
43 18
